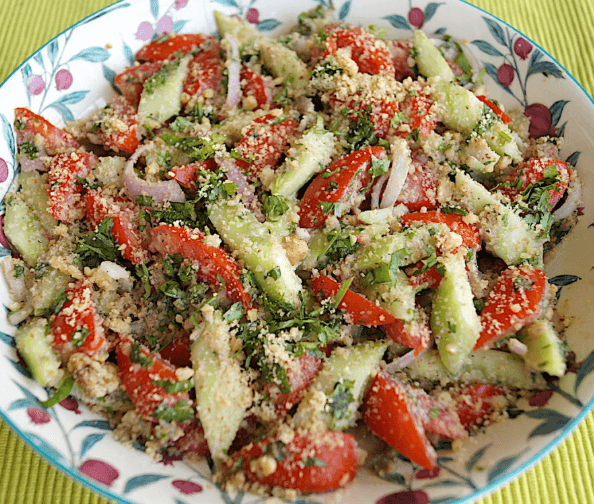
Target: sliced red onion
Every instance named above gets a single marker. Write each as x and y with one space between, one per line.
28 164
401 163
515 346
161 192
377 191
233 70
404 360
573 200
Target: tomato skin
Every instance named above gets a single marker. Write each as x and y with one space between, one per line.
169 240
474 403
418 111
469 232
346 175
186 175
438 418
29 124
360 310
124 141
178 352
420 190
390 414
514 302
427 279
77 314
138 380
264 142
158 50
498 112
414 334
65 201
313 462
205 71
99 207
131 81
300 378
254 85
400 52
532 171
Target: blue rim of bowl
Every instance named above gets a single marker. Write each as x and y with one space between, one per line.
477 494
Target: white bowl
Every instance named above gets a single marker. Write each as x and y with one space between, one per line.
97 48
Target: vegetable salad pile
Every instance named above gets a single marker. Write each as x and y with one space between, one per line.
259 244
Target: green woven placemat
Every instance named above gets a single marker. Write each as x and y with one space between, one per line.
563 27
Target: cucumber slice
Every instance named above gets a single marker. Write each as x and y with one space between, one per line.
259 249
462 109
546 352
24 230
500 139
454 321
397 298
343 383
34 190
492 367
223 394
429 59
238 28
47 290
34 342
311 155
283 62
161 96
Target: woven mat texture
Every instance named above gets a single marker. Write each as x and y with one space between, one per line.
563 27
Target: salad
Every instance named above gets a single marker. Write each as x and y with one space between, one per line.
260 244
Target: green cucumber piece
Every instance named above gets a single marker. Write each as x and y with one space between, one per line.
34 342
454 320
260 250
492 367
397 298
161 97
47 290
500 139
243 32
24 230
283 62
462 109
309 156
223 394
429 59
546 351
352 369
109 171
34 191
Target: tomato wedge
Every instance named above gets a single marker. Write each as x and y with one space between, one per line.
165 47
412 334
205 71
254 85
300 376
65 190
498 112
535 170
390 414
341 180
476 402
417 110
116 127
139 370
468 232
265 141
215 264
425 278
30 126
77 326
514 302
186 175
310 462
124 231
178 352
438 418
360 310
131 81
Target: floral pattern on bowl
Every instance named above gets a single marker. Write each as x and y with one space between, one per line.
69 77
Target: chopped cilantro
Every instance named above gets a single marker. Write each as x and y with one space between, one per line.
386 272
18 270
274 207
94 248
79 336
314 462
144 200
174 387
274 273
137 356
29 150
339 401
330 207
453 209
181 412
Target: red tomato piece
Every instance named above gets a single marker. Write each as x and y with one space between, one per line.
341 180
420 190
412 334
65 190
178 352
254 85
124 231
370 54
498 112
77 327
476 402
390 413
102 131
186 175
420 119
214 262
425 278
310 462
300 376
468 232
400 52
533 171
131 81
438 418
165 47
514 302
359 309
139 370
265 141
205 71
29 126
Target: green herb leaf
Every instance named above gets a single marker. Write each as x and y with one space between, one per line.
99 246
181 412
62 393
174 387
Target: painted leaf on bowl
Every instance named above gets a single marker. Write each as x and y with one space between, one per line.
141 481
88 443
502 467
45 446
586 368
95 424
553 421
